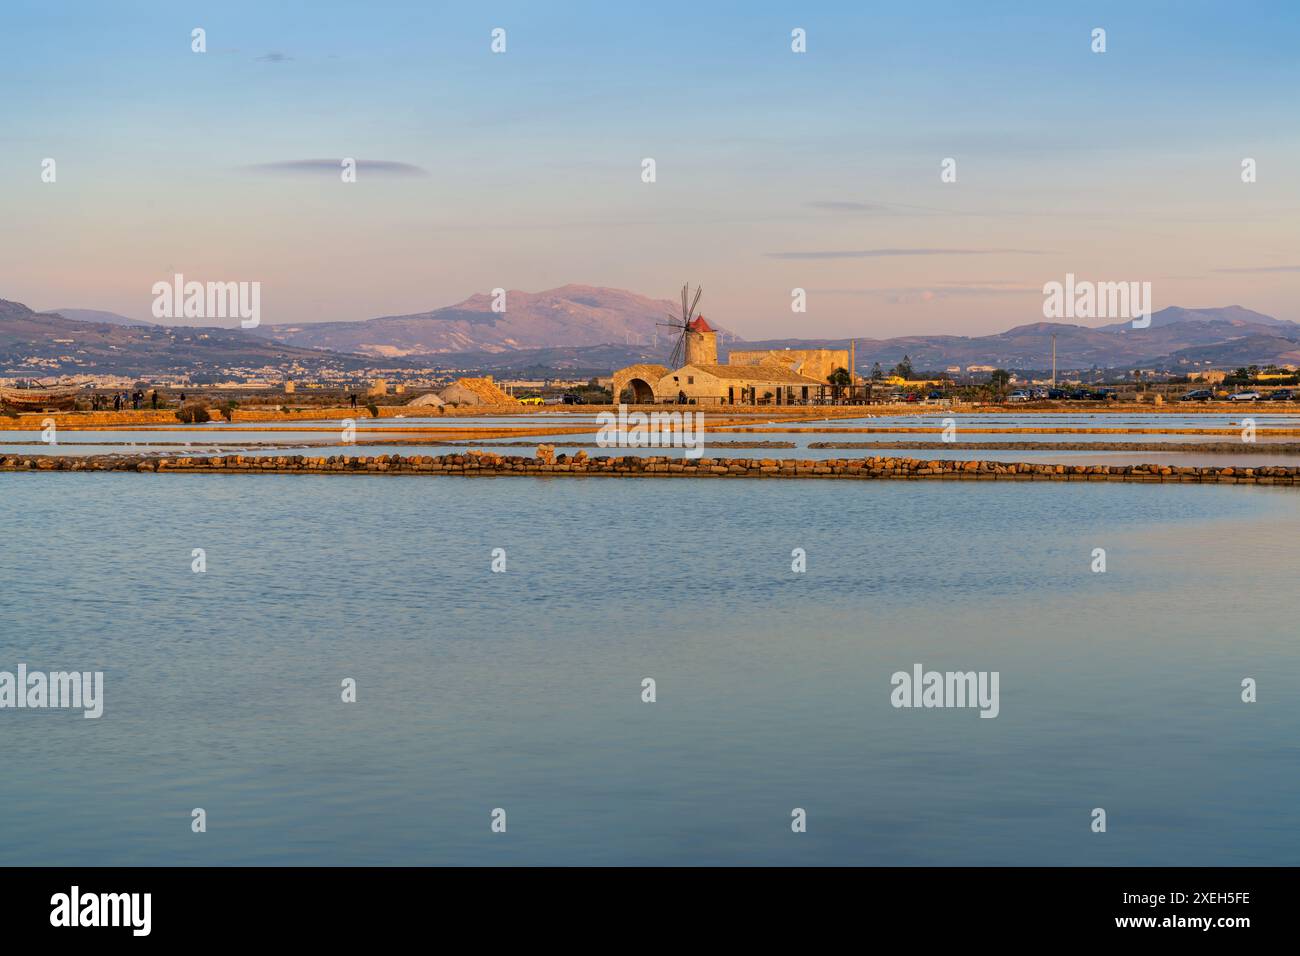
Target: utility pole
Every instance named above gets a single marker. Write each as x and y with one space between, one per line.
1053 360
853 361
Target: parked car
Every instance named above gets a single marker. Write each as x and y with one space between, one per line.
1103 395
571 399
912 397
1246 396
1200 395
934 397
1079 395
1283 395
1057 394
531 400
1018 397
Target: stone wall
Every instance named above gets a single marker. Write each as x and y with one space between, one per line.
814 363
481 463
31 421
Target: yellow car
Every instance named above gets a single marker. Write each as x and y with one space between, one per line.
531 400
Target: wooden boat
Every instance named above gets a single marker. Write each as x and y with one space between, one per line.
39 398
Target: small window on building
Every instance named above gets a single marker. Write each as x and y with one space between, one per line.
690 379
675 378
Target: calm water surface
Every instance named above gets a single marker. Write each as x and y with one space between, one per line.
522 690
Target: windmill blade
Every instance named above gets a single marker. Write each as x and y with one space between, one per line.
676 360
699 291
685 292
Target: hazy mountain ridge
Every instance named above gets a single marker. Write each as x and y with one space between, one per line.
557 328
572 316
60 345
469 335
98 316
1217 336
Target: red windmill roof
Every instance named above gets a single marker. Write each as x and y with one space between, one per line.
699 325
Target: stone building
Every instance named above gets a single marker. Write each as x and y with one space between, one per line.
813 363
636 383
701 343
737 385
754 376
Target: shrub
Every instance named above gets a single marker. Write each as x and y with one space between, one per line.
373 409
193 414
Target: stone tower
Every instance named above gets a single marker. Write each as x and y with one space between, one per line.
701 343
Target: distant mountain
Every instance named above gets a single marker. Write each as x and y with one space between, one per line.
1233 314
584 331
592 360
572 316
578 327
40 344
1176 338
1260 349
98 315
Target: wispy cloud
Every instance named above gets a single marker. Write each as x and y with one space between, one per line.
274 57
893 253
317 167
1246 271
846 205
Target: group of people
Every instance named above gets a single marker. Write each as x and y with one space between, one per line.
121 400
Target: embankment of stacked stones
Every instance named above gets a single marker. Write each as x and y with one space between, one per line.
489 464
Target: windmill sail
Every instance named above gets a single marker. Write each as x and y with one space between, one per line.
682 324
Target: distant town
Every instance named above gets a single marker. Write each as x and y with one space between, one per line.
562 346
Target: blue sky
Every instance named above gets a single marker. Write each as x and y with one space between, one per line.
775 170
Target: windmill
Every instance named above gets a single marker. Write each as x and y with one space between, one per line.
682 323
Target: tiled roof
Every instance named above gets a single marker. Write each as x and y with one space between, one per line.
769 374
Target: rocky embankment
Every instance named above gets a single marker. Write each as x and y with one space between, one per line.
547 463
1214 447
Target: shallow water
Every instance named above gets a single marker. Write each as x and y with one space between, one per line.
522 690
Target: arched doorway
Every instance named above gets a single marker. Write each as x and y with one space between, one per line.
641 392
635 384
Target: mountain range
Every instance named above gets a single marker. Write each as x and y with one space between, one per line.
589 330
571 316
43 344
1176 338
587 327
98 316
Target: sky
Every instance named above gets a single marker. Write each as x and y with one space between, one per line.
774 170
